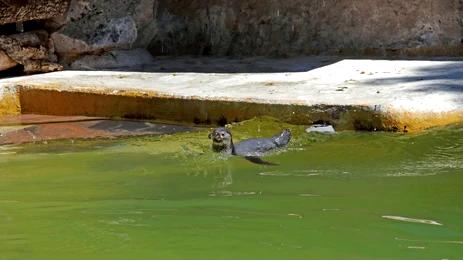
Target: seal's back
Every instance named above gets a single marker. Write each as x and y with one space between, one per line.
261 146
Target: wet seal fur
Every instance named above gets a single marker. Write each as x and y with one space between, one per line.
251 149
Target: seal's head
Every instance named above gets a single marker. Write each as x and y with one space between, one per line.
221 140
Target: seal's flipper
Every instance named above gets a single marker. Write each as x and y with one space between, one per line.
260 161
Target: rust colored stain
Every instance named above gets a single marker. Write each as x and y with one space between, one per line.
50 132
28 119
84 129
9 102
413 122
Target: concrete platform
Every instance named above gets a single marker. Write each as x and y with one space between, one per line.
351 94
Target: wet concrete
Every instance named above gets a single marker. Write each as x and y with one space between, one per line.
42 128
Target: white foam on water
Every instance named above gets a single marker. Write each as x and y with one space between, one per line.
284 174
233 217
416 247
413 220
410 174
430 241
295 149
301 173
295 215
227 193
309 195
244 193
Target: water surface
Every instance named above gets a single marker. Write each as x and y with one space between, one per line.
349 195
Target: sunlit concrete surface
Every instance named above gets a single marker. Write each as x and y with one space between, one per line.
358 94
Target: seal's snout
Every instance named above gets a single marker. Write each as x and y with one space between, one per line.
219 135
216 136
221 140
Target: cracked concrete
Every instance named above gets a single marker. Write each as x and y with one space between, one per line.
351 94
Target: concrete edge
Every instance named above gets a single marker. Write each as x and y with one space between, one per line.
152 105
51 100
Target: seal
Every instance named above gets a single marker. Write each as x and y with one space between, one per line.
251 149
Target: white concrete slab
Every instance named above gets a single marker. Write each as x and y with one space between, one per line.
411 87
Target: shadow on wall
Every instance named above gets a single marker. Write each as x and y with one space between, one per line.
245 65
120 61
139 60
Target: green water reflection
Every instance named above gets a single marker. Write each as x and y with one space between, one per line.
170 197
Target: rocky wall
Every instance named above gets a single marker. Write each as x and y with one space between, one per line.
32 49
295 27
12 11
82 28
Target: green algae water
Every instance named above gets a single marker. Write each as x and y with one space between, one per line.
342 196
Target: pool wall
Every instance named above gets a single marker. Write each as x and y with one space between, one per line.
350 94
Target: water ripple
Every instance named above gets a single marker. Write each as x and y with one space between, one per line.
413 220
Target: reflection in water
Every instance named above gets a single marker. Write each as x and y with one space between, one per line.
170 197
431 241
227 175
